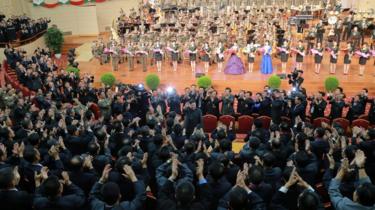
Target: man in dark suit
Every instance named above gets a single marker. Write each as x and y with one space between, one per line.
320 146
277 107
317 106
82 173
59 194
298 110
193 117
183 195
10 197
241 196
337 106
106 195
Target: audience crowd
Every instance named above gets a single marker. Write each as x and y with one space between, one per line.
148 150
21 27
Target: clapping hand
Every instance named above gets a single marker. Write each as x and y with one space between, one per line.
293 179
360 159
105 173
66 179
129 173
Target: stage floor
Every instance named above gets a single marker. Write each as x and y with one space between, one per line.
254 81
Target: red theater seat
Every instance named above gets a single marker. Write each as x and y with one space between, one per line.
209 123
266 121
344 123
227 119
361 123
245 123
317 122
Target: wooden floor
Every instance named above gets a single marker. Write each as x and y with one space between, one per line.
254 81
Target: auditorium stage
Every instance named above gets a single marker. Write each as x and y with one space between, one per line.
254 81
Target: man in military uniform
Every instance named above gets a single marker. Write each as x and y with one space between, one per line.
319 31
130 51
338 30
142 52
103 57
348 23
363 27
115 54
355 37
104 104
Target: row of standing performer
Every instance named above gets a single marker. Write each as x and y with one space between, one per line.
208 55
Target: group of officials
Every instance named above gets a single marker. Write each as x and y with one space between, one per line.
20 27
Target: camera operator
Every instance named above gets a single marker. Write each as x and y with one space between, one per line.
158 99
317 105
296 79
142 97
174 102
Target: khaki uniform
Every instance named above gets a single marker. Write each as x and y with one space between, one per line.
115 58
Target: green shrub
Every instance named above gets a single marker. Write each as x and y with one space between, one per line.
204 82
108 79
152 81
54 39
75 70
331 83
274 82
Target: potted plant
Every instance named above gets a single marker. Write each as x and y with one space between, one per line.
75 70
274 82
152 81
54 40
331 83
204 82
108 79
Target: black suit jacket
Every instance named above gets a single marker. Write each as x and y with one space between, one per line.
15 200
276 110
166 199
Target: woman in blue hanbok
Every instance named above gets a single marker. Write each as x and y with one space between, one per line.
266 66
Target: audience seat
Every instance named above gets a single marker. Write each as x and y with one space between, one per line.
255 115
245 123
344 123
286 119
361 123
209 123
266 121
227 119
318 121
363 116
